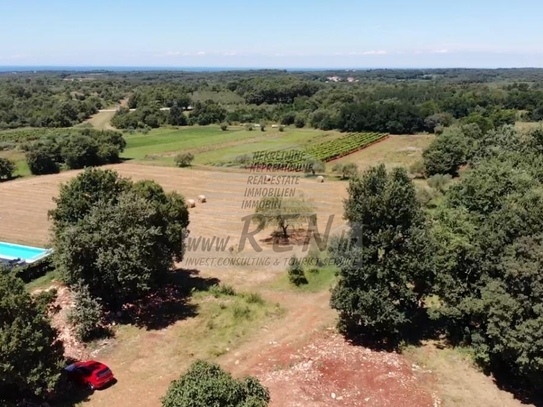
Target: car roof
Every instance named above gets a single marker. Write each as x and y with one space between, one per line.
89 364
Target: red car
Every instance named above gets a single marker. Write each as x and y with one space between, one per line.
92 374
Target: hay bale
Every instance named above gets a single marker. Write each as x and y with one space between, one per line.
191 203
320 178
202 198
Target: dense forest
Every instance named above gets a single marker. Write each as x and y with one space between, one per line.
394 101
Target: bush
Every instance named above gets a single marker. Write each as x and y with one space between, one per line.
249 127
346 170
281 128
299 122
296 273
184 159
224 127
417 169
40 162
44 300
206 384
262 127
439 182
222 289
86 313
7 168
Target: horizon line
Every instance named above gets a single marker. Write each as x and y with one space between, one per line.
301 68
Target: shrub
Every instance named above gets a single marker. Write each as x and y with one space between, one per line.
249 127
207 384
40 162
299 122
7 168
224 127
281 128
44 300
439 182
253 298
417 169
346 170
184 159
296 273
262 127
86 313
222 289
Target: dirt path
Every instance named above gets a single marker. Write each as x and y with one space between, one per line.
146 362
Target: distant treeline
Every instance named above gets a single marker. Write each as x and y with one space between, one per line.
395 101
72 149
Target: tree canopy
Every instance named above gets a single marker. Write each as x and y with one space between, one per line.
118 237
385 270
31 356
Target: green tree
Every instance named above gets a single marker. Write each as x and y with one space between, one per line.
385 270
206 384
447 153
80 151
299 121
40 161
77 197
283 212
119 238
7 167
31 356
86 314
177 117
184 159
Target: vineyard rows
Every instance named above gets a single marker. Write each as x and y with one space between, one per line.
327 151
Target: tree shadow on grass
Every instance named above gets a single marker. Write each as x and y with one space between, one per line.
520 390
170 304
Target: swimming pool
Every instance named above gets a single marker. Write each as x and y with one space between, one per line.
9 251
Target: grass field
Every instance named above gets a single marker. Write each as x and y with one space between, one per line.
18 157
210 145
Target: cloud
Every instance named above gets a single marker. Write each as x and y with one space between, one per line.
14 57
441 51
380 52
352 53
181 54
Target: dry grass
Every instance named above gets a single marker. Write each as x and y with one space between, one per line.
394 151
458 381
101 120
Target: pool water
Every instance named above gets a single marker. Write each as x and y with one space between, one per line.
29 254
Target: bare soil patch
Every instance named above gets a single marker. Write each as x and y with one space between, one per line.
328 370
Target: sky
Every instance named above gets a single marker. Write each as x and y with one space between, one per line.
273 33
